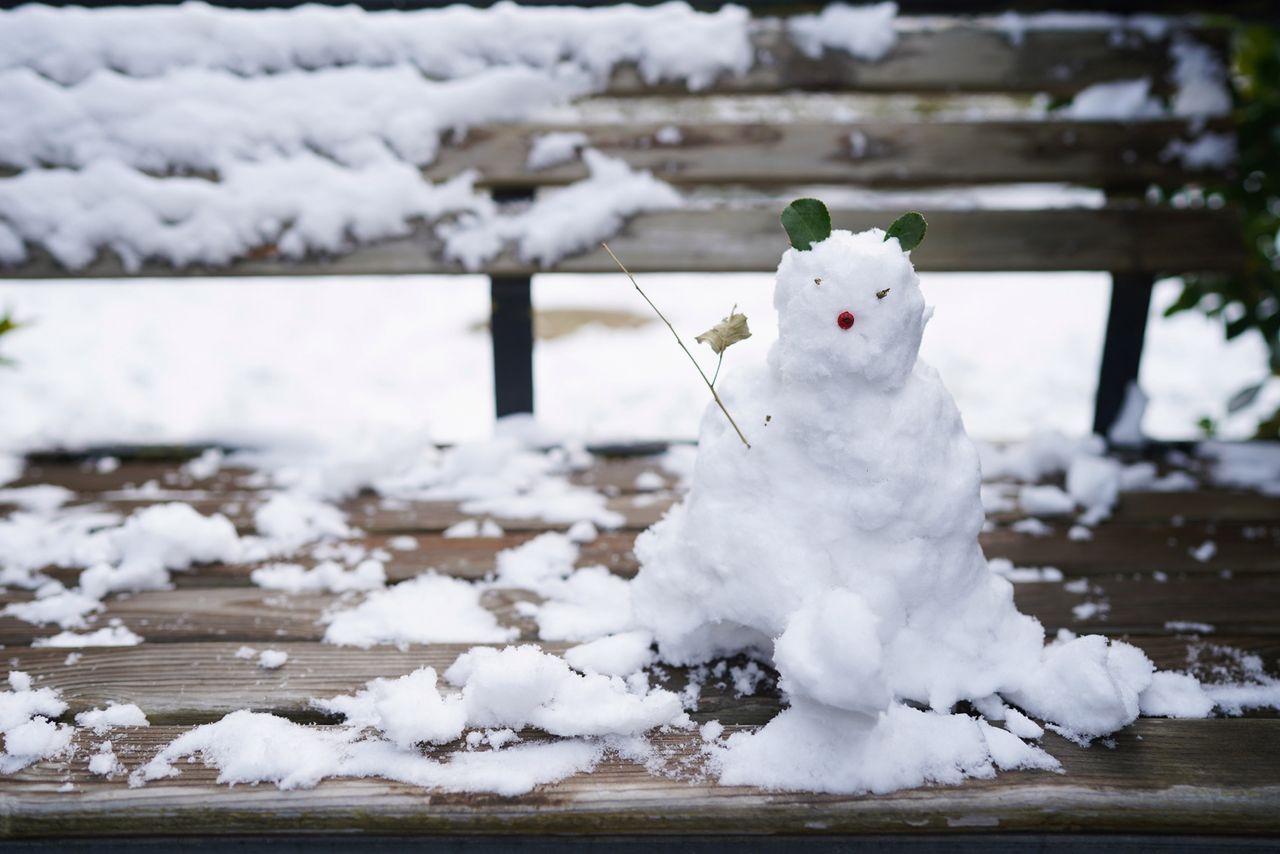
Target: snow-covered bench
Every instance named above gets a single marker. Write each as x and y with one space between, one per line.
200 141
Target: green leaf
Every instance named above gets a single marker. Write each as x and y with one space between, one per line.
1243 398
1187 300
807 221
909 229
1239 326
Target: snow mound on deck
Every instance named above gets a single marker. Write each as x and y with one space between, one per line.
843 546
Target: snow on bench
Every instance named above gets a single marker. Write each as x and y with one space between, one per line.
194 140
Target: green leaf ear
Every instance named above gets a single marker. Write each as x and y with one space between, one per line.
909 229
807 222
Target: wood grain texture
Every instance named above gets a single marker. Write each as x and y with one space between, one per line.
955 58
890 153
1122 239
1245 605
191 683
1163 776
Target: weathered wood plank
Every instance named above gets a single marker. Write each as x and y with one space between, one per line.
1244 605
888 154
1116 550
750 240
957 58
614 476
1207 505
388 517
1163 776
184 683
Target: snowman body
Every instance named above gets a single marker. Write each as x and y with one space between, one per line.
844 542
843 547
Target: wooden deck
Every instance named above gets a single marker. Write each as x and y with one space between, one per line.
1218 778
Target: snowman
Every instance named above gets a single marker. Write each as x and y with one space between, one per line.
842 547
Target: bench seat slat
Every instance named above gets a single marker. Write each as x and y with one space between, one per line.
751 240
961 58
1164 776
890 153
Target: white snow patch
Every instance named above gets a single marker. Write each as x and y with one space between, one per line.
41 498
552 149
27 726
272 659
1019 574
613 655
866 32
106 636
112 715
1045 500
430 608
327 576
523 686
667 42
251 747
560 222
474 528
1116 100
1205 551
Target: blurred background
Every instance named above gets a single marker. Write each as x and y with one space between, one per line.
334 358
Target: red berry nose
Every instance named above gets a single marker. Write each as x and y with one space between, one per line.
845 320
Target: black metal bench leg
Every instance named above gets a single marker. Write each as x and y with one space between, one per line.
511 327
1122 348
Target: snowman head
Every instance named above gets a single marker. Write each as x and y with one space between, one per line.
849 310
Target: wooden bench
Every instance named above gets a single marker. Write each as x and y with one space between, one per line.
1134 240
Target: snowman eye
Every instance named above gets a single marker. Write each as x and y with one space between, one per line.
882 294
845 320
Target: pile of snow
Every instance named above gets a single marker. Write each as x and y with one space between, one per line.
499 691
430 608
314 150
136 555
511 688
843 546
866 32
581 604
1201 92
113 635
289 521
521 472
666 42
112 715
1094 481
1119 99
299 204
1255 465
560 222
552 149
27 724
202 120
40 499
251 747
29 542
325 577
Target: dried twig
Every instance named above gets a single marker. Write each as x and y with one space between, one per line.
710 385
